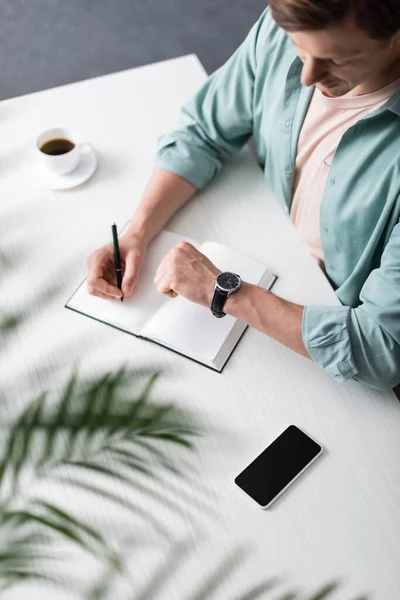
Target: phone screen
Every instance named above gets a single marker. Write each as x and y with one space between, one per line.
275 468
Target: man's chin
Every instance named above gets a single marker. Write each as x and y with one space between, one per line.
333 91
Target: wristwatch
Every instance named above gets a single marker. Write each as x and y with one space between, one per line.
225 285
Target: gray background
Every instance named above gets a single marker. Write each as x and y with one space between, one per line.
45 43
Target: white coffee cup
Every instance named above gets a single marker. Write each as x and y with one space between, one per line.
62 158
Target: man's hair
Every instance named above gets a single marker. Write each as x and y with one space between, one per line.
379 18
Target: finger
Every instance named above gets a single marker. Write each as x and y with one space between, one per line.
100 286
159 273
96 280
185 246
133 263
169 292
100 295
164 287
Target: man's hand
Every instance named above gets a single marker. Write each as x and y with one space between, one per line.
101 268
187 272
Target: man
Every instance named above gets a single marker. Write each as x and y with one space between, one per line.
317 85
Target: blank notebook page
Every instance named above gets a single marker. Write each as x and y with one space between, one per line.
192 328
133 312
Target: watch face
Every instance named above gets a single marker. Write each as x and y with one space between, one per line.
228 281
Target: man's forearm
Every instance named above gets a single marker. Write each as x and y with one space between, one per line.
266 312
164 195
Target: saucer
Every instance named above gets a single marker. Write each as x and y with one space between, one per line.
85 169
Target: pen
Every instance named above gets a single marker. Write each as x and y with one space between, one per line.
117 258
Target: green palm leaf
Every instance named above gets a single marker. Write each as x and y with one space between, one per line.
22 554
217 578
102 418
101 492
67 526
89 430
9 322
163 573
19 442
257 591
324 592
17 550
15 575
55 425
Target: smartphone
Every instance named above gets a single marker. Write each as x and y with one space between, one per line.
268 476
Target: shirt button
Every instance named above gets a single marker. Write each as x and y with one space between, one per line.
326 230
332 181
288 174
288 123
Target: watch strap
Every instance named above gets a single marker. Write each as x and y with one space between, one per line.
217 304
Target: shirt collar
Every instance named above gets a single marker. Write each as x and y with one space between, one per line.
394 103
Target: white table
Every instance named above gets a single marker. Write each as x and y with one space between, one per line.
342 519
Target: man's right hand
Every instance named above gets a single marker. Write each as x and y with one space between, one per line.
102 280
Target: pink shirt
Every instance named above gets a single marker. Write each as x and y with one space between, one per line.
326 121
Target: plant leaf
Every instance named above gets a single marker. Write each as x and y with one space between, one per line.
9 322
65 525
57 512
117 499
129 459
20 451
325 591
149 446
258 590
102 469
19 440
17 575
55 425
164 572
171 437
149 385
216 579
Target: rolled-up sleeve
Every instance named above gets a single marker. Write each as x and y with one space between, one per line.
362 343
217 122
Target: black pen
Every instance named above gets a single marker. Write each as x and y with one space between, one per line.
117 258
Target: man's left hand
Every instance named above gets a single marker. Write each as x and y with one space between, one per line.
187 272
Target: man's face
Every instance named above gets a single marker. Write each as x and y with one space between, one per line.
340 58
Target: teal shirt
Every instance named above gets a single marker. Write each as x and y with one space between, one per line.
258 93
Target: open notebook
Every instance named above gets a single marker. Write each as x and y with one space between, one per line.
176 323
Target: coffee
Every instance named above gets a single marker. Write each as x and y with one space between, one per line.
57 146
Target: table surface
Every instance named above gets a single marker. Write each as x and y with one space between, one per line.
341 519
